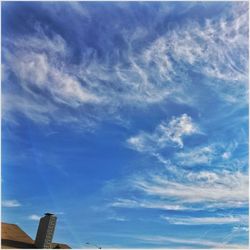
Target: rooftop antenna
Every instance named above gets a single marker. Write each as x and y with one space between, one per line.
91 244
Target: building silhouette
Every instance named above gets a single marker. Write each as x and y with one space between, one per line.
12 236
45 231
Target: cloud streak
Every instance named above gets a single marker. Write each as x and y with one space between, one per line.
206 220
199 187
11 203
130 203
199 242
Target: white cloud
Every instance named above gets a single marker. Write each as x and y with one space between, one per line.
205 220
226 155
198 242
206 155
203 176
206 48
165 134
197 156
42 62
130 203
77 8
140 142
176 129
34 217
37 69
11 203
213 44
240 229
38 62
208 188
35 110
183 243
43 71
117 218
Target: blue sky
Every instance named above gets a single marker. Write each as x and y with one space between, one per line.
127 120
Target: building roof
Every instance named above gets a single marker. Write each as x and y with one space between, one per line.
60 246
49 214
14 237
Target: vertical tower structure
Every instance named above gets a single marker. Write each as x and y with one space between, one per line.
45 231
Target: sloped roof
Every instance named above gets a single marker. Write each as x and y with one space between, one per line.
14 237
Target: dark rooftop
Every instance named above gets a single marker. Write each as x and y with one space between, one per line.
14 237
49 214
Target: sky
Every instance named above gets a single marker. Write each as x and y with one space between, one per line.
128 120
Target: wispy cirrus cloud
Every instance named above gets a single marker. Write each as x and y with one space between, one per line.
160 240
147 204
198 156
130 77
206 220
165 134
11 203
39 69
117 218
206 46
193 242
240 229
35 108
200 187
205 155
187 71
193 191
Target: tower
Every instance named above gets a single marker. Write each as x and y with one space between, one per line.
45 231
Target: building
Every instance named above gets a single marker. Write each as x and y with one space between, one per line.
45 231
12 236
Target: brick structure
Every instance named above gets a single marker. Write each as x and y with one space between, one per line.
45 231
